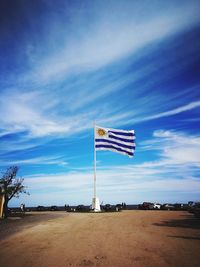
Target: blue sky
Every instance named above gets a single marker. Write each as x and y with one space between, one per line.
124 64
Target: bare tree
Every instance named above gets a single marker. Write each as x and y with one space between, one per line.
11 186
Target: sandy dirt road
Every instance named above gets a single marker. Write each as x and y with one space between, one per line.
128 238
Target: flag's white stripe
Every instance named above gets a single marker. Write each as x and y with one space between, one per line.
121 136
122 131
127 145
117 146
111 149
116 138
122 144
127 133
118 141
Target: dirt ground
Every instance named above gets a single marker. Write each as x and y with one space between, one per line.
127 238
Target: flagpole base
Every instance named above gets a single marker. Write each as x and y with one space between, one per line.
95 204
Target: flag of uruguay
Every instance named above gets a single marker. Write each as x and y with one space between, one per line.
119 141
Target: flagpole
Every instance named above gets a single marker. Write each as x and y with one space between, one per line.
95 176
95 201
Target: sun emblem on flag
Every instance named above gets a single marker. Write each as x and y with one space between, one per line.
101 132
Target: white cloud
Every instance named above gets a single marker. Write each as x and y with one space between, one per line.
77 187
33 112
110 37
171 176
187 107
42 160
177 148
40 114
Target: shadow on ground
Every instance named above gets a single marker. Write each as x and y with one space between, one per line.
185 237
189 221
19 221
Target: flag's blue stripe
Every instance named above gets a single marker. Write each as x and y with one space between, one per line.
116 148
121 139
122 133
115 143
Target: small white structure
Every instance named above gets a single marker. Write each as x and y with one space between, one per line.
95 204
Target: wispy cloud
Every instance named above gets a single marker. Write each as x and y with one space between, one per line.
175 172
67 85
134 184
124 65
176 148
111 37
42 160
35 113
178 110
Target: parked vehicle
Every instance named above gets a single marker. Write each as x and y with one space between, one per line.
146 206
69 209
190 203
195 209
119 207
53 208
41 208
168 206
180 206
107 207
157 206
82 208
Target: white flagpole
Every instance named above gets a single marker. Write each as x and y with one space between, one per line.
95 202
95 176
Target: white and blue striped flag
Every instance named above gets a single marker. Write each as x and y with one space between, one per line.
119 141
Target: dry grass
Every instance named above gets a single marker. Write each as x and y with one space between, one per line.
128 238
